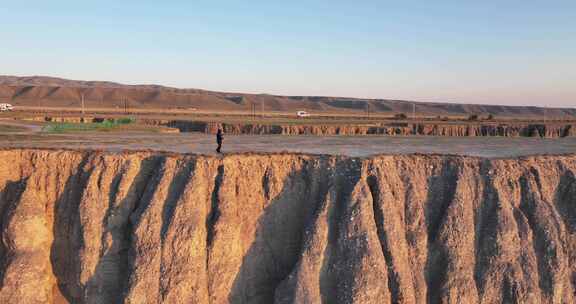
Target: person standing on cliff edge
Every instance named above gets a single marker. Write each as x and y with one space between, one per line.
219 139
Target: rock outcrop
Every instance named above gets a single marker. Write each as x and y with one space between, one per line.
550 130
98 227
503 129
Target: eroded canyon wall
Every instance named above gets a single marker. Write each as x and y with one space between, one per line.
96 227
515 129
474 129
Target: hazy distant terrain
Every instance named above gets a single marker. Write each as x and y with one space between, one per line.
57 92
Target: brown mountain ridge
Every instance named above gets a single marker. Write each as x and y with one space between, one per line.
45 91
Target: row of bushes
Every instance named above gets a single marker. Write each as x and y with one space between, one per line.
106 124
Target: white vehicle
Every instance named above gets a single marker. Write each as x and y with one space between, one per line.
6 107
302 114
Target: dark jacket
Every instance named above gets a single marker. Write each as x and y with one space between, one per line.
219 137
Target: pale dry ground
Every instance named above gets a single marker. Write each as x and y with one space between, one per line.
30 135
493 147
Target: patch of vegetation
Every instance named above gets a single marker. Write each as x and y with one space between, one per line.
106 125
401 116
125 120
10 129
473 117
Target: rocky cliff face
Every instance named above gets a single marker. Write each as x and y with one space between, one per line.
550 130
512 129
93 227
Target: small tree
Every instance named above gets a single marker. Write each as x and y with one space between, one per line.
490 117
473 117
400 116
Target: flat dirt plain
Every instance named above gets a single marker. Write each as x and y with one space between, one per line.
22 134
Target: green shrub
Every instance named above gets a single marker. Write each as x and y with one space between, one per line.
125 120
473 117
400 116
105 125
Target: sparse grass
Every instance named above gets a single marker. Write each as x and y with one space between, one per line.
11 129
124 120
106 125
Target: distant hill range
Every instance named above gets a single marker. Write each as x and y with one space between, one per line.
57 92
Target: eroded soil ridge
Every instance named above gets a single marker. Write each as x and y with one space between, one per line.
95 227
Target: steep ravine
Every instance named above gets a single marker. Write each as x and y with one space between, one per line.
143 227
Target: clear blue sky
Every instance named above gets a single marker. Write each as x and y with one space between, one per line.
498 52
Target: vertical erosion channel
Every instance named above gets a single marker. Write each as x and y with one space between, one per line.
146 228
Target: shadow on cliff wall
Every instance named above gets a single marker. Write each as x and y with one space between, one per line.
278 241
564 198
9 197
68 235
335 270
441 192
111 274
565 203
68 239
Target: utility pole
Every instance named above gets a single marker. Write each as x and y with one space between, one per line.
414 111
262 108
368 110
82 106
82 101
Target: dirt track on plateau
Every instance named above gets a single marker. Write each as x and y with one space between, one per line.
355 146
